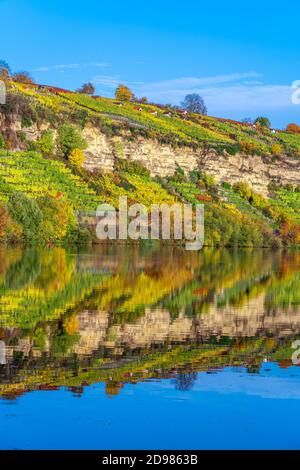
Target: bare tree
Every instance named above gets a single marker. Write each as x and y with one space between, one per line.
87 88
194 103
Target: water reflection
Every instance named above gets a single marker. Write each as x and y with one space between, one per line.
126 314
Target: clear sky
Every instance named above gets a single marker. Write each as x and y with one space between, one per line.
242 56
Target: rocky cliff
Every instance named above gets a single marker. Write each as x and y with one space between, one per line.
162 160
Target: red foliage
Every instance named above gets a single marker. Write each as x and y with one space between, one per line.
293 128
204 198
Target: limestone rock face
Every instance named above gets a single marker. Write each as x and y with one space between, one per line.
99 153
162 160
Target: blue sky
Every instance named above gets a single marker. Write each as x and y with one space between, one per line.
241 56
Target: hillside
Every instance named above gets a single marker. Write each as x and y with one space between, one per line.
66 152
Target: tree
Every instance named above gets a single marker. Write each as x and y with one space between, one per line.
247 120
263 122
23 77
26 212
57 216
87 89
69 139
4 218
293 128
123 93
5 70
194 103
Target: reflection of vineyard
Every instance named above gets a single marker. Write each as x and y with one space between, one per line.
119 315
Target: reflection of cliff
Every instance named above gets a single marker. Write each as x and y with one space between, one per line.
156 326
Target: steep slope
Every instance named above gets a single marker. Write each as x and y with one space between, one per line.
151 154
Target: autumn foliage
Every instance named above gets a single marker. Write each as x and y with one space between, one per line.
123 93
293 128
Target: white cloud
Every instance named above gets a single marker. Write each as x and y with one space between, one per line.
112 81
70 66
224 94
57 67
192 83
97 64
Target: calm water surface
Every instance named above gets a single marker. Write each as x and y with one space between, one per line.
147 347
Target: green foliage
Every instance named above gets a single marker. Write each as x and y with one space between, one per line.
263 121
57 218
27 213
35 176
2 142
69 139
26 121
45 144
132 168
79 235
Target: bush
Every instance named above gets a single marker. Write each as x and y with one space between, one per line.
26 213
57 217
277 149
2 142
4 219
249 148
77 158
79 235
45 144
70 139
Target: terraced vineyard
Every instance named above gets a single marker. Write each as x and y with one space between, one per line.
30 173
167 123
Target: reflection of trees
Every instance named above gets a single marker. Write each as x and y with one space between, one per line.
24 271
185 381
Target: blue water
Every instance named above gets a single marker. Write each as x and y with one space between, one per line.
229 409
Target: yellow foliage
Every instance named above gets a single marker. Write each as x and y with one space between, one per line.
277 149
77 157
71 325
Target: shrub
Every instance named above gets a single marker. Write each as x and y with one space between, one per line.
46 144
79 235
21 136
4 219
70 139
2 142
57 217
27 213
277 149
26 121
77 158
249 148
243 189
